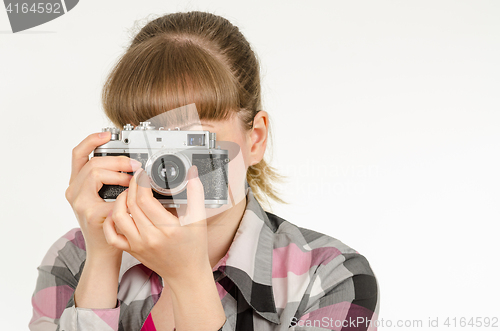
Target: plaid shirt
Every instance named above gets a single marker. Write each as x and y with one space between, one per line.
275 276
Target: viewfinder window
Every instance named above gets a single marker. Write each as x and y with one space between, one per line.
196 140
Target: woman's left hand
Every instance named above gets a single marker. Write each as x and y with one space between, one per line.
174 247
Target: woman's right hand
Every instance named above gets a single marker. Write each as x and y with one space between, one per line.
87 178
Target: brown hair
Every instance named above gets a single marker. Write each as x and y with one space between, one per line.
185 58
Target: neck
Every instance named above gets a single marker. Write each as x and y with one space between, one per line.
221 229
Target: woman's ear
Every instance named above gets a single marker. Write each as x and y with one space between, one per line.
258 137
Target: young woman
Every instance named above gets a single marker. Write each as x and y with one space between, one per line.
133 265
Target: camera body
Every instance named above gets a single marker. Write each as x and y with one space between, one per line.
166 156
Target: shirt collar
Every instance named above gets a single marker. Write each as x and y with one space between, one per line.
248 262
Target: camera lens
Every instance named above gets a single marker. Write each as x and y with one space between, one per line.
168 171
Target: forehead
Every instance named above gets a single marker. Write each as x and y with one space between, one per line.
229 129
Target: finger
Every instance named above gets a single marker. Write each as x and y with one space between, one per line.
112 237
115 163
140 187
196 199
80 154
102 176
97 177
141 220
122 218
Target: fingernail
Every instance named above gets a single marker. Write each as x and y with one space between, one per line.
143 179
103 135
138 175
193 172
135 164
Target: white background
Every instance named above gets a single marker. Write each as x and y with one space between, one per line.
385 116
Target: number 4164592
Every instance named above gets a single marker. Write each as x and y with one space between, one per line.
472 322
36 8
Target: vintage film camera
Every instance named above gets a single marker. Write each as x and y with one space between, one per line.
166 155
